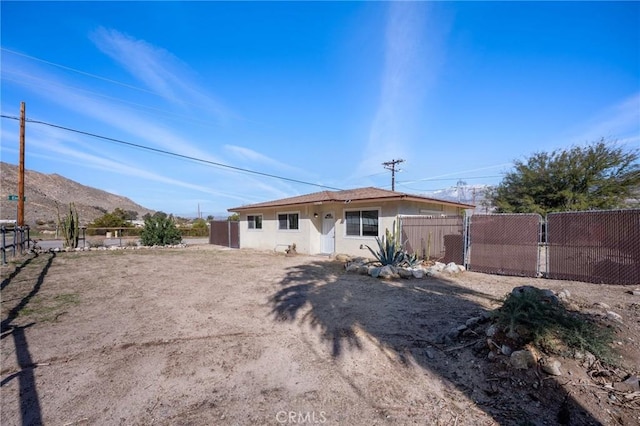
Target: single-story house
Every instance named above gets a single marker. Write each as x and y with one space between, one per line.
329 222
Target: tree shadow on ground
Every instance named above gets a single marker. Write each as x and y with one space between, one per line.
407 317
30 410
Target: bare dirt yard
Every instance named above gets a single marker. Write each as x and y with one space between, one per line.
207 336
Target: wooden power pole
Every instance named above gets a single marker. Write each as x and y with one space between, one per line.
391 165
20 218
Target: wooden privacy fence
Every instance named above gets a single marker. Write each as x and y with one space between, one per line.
225 233
434 238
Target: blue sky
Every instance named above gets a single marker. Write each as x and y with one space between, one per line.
318 92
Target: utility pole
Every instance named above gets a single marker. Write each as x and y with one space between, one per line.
20 218
391 165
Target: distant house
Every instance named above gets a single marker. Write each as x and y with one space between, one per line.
329 222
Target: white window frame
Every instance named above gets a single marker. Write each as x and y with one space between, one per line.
361 209
254 229
288 223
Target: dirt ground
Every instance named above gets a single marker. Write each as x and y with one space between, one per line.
207 336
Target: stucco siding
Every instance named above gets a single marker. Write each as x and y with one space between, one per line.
270 237
308 237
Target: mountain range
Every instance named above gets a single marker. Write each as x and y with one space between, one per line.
44 191
468 194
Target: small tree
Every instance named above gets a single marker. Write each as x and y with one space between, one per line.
116 219
200 228
597 176
69 226
160 230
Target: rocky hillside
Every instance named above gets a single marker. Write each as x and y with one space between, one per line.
44 190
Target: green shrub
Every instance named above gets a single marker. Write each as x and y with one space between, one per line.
160 231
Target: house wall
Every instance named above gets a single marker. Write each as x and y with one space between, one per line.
270 237
308 238
388 215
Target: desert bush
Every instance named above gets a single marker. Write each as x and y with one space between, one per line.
535 318
160 230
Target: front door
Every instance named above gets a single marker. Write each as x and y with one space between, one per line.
328 233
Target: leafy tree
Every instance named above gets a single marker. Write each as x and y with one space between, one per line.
155 214
210 217
597 176
200 228
234 217
115 219
131 215
160 230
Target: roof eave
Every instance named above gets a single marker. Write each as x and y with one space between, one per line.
360 200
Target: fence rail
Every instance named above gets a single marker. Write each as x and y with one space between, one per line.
18 241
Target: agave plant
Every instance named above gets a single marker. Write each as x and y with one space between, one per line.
390 248
411 260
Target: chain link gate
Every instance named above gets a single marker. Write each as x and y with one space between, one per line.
594 246
504 244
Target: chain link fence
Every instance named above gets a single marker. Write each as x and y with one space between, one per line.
594 246
505 244
588 246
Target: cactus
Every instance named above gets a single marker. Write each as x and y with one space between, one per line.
70 226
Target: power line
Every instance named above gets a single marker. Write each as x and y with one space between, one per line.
135 105
99 77
81 72
402 182
174 154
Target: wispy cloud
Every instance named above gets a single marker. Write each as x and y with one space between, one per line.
411 63
620 122
249 155
127 119
56 145
158 69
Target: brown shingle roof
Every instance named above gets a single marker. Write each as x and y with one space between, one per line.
358 194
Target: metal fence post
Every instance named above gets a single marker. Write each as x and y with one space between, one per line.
15 240
4 245
466 246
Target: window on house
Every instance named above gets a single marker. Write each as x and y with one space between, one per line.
254 221
362 223
288 221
